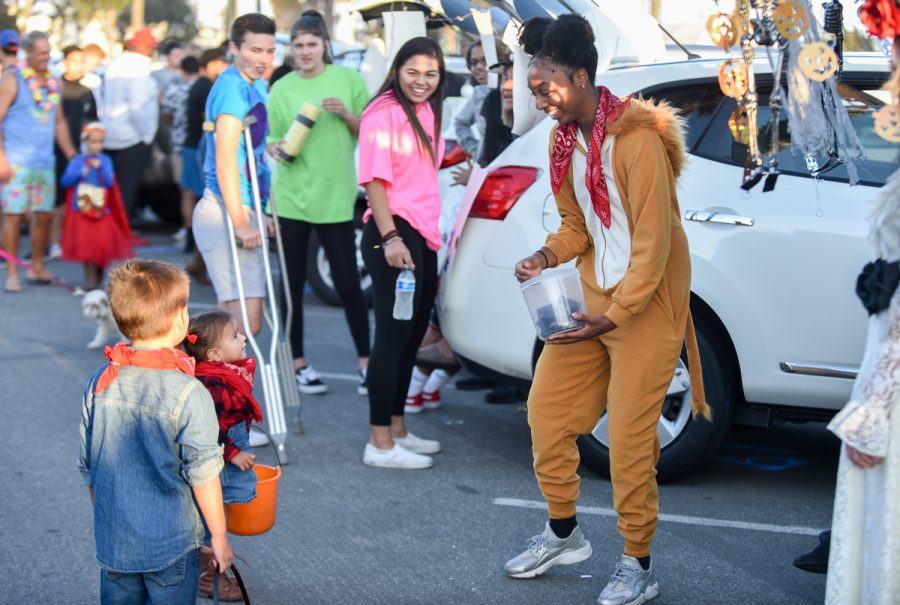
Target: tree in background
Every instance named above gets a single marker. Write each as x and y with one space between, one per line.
177 13
288 11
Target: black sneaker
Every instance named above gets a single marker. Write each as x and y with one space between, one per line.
363 388
309 383
816 560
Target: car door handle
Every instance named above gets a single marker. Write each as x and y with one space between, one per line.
723 218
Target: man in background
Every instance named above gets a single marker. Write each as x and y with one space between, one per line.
131 114
78 109
26 156
172 53
174 115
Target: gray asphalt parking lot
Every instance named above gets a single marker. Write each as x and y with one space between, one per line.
351 534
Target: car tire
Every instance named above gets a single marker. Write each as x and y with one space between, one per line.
699 438
318 271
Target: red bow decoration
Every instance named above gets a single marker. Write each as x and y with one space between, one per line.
192 338
156 359
608 110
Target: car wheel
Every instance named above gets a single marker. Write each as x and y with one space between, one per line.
318 271
685 442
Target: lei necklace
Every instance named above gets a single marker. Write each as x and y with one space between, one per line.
45 97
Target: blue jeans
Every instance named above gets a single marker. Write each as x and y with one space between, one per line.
238 487
174 585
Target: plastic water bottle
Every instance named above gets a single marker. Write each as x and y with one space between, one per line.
403 295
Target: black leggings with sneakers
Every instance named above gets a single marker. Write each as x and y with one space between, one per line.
339 242
396 341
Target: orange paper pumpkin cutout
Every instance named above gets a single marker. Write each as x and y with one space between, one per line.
733 78
791 19
818 61
887 123
723 30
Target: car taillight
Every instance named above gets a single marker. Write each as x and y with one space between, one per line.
456 155
501 190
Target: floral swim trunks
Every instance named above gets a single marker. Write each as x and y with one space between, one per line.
30 189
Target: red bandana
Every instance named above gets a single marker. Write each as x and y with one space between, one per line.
608 110
157 359
238 376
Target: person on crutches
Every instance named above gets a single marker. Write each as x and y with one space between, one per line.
227 219
238 94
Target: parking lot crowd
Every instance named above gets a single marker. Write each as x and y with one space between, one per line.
231 139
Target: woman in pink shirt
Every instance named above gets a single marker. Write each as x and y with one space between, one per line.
400 150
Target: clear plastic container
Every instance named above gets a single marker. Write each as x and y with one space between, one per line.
552 297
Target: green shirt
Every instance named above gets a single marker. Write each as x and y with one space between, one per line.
320 186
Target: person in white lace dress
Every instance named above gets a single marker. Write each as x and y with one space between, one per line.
864 565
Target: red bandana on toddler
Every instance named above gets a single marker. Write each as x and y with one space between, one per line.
156 359
238 376
608 110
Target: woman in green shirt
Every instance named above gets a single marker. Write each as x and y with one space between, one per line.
318 190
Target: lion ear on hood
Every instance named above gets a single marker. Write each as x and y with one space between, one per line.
660 117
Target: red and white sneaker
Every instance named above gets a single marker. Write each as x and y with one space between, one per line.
413 404
431 401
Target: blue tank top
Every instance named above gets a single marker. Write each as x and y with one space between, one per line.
28 130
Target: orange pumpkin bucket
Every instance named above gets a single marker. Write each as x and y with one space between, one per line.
257 516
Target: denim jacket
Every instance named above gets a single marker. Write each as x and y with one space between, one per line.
145 441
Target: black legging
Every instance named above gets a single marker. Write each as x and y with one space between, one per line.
396 341
339 242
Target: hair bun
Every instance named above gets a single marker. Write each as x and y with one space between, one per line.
311 12
567 40
531 34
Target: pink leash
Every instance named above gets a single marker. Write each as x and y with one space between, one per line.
53 280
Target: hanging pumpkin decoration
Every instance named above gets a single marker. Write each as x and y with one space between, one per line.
791 19
818 61
887 123
722 30
733 78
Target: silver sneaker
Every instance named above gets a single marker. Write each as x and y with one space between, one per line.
629 584
546 550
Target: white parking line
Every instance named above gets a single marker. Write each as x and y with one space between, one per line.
667 518
345 377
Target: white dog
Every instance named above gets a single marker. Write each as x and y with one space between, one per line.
95 306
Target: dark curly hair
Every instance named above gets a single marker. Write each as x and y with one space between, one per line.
567 41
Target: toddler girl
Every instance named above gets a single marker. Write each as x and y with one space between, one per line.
95 231
227 373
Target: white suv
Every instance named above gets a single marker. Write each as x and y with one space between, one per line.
781 333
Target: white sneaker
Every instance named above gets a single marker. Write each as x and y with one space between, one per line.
257 439
397 457
180 236
418 445
54 252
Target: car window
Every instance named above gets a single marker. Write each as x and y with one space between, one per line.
697 103
861 97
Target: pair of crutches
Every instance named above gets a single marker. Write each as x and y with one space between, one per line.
277 369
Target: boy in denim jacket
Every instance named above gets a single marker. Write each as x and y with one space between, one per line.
149 447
